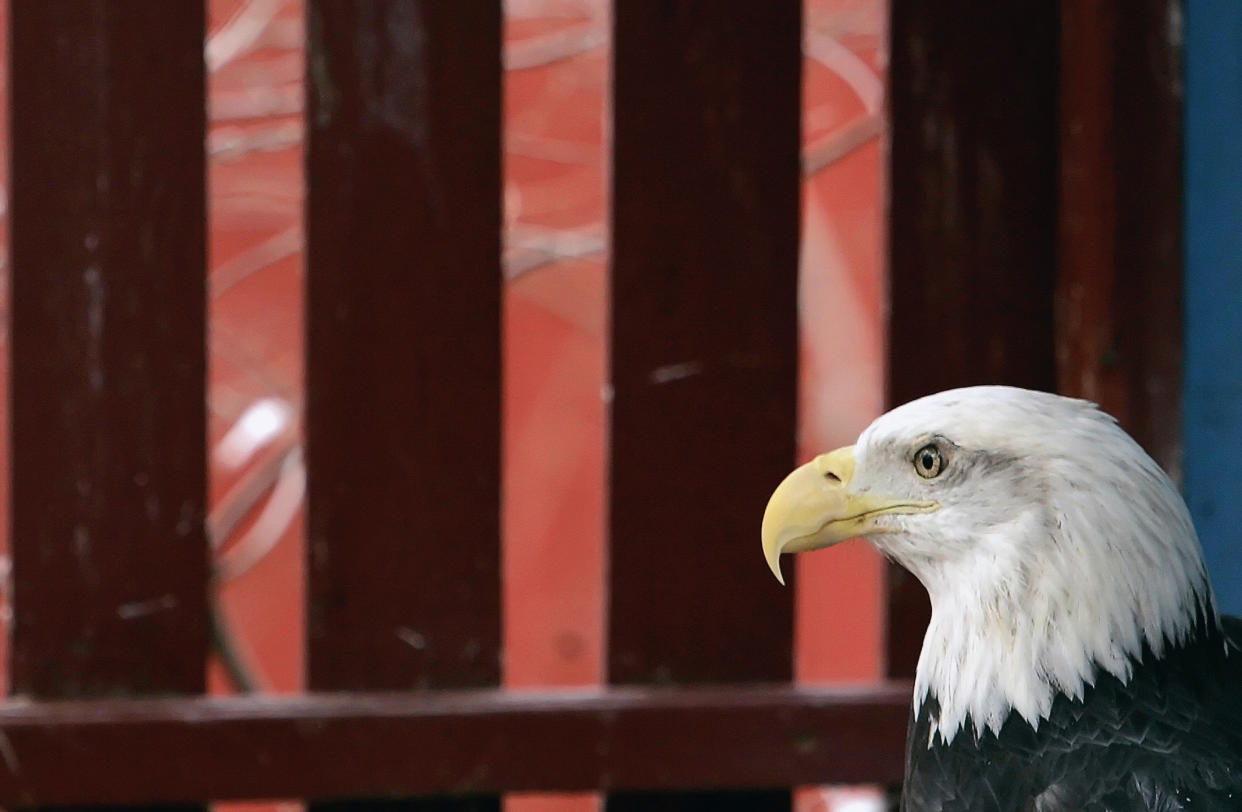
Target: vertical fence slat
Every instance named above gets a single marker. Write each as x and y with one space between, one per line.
403 343
973 207
108 432
1119 298
109 354
706 105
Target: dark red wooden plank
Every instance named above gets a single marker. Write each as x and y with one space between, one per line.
704 334
973 216
333 745
1119 302
403 344
403 368
108 357
705 203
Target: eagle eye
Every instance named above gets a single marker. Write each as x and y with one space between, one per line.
928 461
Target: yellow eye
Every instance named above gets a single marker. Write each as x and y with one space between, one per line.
928 462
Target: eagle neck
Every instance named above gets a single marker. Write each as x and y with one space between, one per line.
1053 607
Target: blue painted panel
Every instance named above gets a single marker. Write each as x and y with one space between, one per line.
1213 366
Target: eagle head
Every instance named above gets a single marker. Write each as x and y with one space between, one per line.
1050 543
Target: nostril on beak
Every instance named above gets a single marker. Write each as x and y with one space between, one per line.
831 477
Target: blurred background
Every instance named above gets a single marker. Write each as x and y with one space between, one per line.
556 264
556 58
555 258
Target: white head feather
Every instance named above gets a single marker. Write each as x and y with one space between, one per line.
1060 548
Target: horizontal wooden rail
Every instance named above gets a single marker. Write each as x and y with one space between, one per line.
322 746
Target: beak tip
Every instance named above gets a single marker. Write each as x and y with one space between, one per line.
774 564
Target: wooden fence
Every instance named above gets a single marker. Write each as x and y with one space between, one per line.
1016 201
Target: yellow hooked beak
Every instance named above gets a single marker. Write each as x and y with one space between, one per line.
814 508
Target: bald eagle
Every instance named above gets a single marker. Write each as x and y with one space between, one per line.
1075 658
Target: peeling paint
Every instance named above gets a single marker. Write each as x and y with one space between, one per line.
9 754
396 66
152 505
415 640
185 521
82 547
675 372
96 297
137 609
325 93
